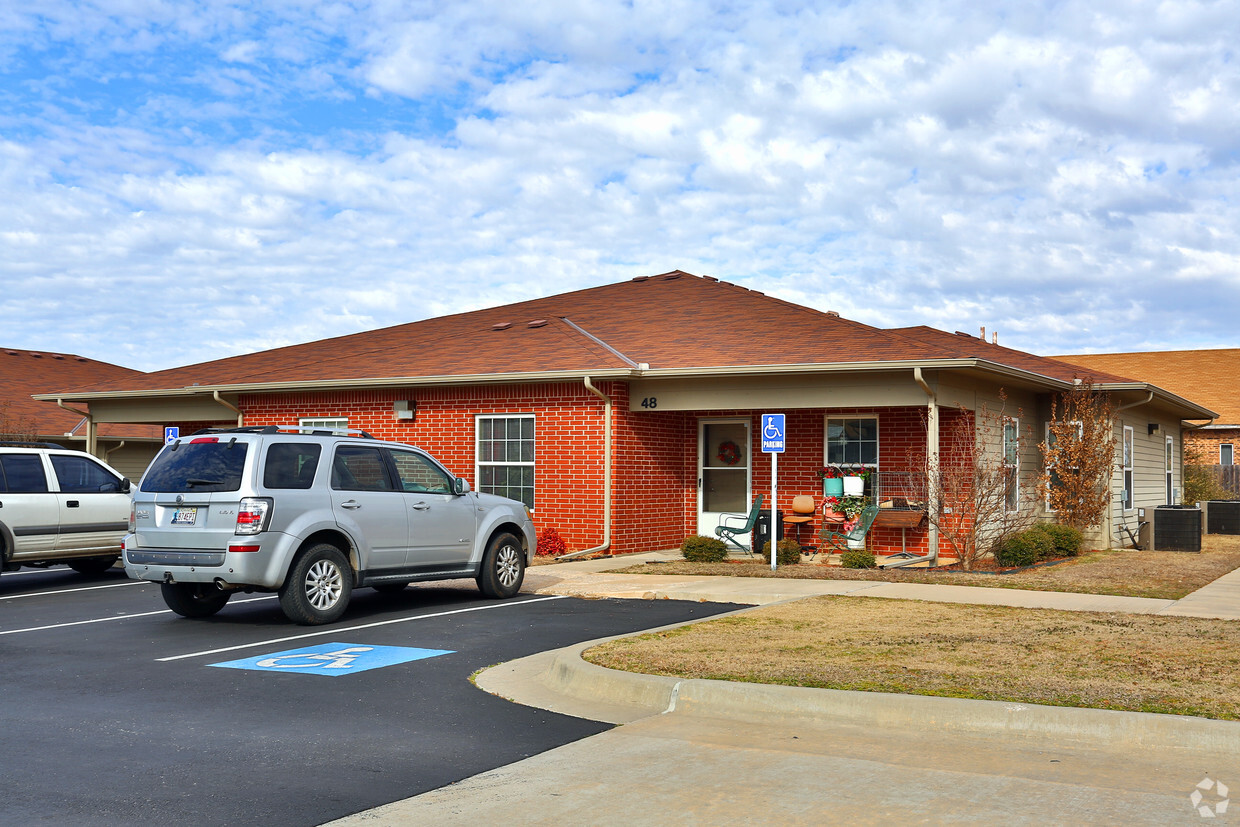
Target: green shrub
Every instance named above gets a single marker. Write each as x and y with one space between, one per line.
1025 548
1066 539
788 552
699 549
858 558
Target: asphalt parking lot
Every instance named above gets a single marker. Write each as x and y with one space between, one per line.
116 711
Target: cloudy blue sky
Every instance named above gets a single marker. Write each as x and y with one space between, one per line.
189 180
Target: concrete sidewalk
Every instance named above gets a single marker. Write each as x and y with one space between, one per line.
1220 599
709 752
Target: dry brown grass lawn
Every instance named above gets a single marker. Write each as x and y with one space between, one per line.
1162 574
1184 666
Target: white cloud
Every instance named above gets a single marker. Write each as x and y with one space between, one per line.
300 170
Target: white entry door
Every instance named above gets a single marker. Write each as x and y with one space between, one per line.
723 471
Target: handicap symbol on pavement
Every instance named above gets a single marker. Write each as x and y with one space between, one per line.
334 659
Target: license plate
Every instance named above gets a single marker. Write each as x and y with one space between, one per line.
185 516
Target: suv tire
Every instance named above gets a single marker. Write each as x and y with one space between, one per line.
93 565
318 586
503 567
194 599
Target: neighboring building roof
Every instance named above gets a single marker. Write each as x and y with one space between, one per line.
26 372
1209 377
668 324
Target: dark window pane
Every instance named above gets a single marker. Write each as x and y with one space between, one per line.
24 473
78 475
198 467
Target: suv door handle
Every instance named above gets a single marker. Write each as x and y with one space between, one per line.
420 506
350 504
72 503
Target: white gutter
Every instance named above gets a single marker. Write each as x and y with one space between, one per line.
91 436
230 406
606 544
107 455
1147 400
932 462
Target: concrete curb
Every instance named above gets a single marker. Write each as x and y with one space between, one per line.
583 684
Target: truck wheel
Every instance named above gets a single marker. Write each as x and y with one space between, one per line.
93 565
317 587
194 599
503 567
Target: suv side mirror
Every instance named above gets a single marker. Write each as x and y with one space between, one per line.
126 485
460 485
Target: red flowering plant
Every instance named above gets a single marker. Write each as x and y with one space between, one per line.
550 543
829 472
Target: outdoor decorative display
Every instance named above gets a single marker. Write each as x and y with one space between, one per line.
832 481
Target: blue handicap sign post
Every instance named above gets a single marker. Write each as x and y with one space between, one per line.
171 434
774 436
773 433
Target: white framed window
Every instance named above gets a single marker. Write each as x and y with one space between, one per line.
324 422
852 442
505 455
1127 466
1011 463
1226 453
1170 460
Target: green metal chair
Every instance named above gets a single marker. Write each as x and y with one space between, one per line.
839 540
728 532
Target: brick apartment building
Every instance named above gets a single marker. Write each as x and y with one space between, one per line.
626 415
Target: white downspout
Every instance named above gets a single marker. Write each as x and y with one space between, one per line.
932 458
606 544
228 405
91 433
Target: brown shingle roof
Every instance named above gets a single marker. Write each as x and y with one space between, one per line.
25 372
673 321
966 345
1208 377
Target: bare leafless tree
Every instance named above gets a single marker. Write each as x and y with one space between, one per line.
15 428
974 489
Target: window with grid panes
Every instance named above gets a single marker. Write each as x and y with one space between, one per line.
505 456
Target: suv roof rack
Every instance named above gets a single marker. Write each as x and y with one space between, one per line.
312 430
15 444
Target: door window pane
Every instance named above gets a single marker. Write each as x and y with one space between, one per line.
78 475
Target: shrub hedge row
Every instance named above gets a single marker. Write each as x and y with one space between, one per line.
1045 541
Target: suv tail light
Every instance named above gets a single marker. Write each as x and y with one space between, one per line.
133 522
253 515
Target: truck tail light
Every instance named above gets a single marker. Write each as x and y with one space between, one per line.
253 515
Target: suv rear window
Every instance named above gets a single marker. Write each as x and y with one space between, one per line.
197 467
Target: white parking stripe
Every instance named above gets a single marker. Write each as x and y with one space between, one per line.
116 617
67 591
340 631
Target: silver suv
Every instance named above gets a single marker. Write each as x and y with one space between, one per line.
59 506
311 515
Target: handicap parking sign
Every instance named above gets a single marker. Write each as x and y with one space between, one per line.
334 659
773 433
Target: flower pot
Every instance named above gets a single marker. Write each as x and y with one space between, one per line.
853 486
834 486
856 544
829 515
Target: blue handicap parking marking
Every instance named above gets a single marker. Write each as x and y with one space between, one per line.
334 659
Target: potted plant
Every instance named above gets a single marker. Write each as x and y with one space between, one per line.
832 481
832 511
854 481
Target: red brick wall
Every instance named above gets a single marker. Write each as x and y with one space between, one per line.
568 437
1204 445
656 454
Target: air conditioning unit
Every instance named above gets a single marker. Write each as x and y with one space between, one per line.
1170 528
